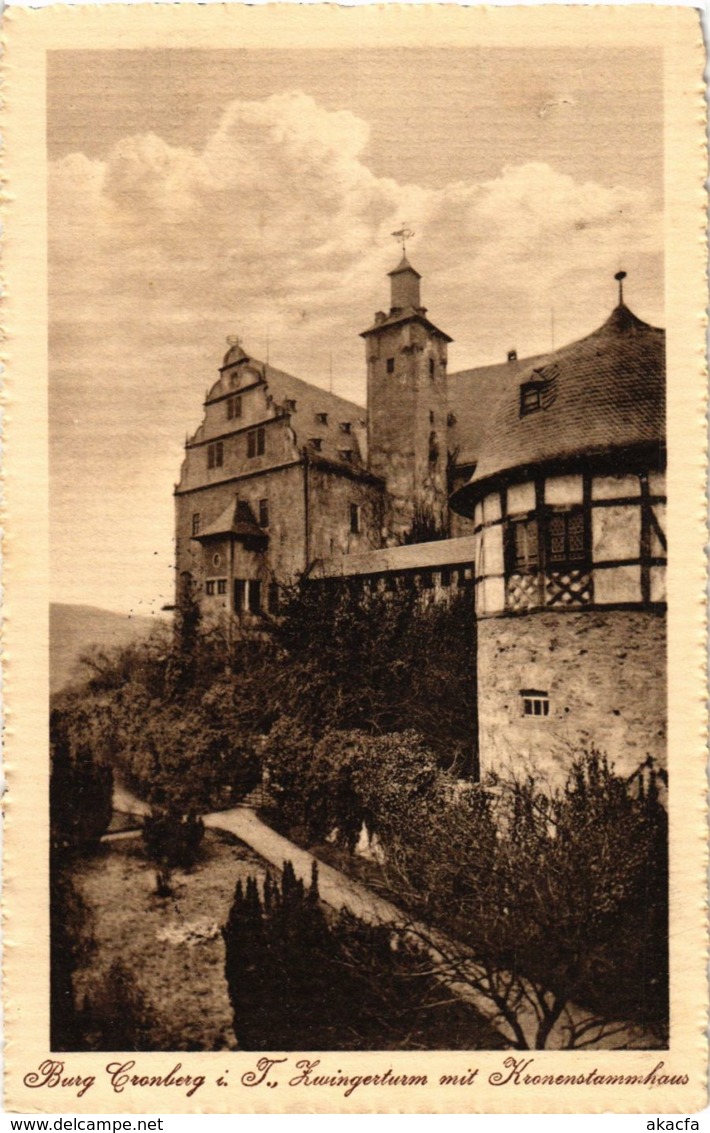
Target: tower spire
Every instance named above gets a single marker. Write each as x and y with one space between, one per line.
620 277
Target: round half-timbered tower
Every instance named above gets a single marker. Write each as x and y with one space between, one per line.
568 502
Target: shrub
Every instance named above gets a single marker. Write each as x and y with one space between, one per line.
116 1013
172 839
299 980
81 787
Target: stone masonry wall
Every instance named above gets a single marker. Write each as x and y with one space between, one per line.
605 672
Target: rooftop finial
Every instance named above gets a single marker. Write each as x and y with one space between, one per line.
402 235
233 340
620 277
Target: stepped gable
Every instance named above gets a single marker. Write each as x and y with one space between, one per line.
304 403
601 394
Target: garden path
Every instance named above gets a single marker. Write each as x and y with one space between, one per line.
340 891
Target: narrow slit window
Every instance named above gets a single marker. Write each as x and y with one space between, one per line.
390 365
196 524
355 519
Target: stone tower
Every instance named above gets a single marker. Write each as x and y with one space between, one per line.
407 407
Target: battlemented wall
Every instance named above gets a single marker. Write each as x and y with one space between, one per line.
604 673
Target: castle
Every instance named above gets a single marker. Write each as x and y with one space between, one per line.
545 474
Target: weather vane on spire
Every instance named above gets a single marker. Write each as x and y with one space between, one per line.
402 235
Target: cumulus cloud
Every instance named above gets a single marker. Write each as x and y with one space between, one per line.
278 228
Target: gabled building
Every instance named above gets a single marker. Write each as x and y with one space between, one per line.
546 473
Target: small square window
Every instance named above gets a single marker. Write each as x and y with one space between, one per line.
346 454
390 365
535 702
346 427
290 405
322 418
316 444
355 519
221 585
196 524
263 513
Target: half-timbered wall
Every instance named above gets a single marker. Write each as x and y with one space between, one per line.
571 541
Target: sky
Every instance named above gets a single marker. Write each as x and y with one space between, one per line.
195 195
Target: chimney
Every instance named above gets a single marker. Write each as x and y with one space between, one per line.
512 356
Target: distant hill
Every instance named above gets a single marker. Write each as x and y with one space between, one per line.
73 630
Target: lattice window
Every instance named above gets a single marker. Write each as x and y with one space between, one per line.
523 591
568 588
566 536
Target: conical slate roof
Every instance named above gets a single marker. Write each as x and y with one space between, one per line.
601 394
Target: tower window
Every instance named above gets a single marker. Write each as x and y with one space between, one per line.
234 407
254 596
256 442
263 513
390 365
566 540
431 367
273 597
346 427
240 589
215 455
322 418
535 702
355 519
431 416
523 546
195 524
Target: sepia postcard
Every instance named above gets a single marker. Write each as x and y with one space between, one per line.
354 617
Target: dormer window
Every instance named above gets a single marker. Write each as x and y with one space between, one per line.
530 398
234 407
346 427
322 418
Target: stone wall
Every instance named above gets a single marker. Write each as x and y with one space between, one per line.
604 672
